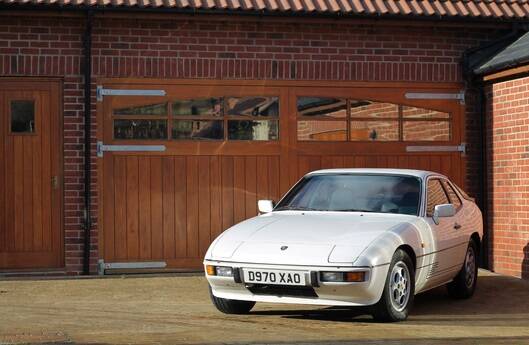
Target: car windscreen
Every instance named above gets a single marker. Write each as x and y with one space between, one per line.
354 192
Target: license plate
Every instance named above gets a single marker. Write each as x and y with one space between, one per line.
275 277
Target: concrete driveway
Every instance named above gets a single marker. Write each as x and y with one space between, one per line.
176 310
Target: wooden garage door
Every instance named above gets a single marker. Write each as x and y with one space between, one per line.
30 175
229 145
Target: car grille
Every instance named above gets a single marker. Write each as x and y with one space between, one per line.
282 290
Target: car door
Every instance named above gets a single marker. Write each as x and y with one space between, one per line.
446 256
462 224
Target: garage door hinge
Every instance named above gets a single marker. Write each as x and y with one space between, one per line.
101 91
101 148
460 96
442 148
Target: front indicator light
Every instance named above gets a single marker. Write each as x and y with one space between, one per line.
342 277
210 270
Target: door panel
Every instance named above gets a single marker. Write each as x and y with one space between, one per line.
30 176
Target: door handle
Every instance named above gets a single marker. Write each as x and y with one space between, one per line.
457 226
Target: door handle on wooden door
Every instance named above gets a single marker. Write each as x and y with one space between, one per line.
457 226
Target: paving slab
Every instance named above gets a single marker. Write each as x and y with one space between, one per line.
176 310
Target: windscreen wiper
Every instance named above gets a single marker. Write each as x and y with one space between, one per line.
354 210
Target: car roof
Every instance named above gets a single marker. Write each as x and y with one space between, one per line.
423 174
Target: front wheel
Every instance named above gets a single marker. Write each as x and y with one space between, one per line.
231 306
399 290
464 284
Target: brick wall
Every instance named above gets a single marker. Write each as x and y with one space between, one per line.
204 48
508 175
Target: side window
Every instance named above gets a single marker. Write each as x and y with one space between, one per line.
436 196
452 195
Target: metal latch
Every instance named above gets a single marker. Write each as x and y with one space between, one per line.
101 91
437 95
441 148
101 148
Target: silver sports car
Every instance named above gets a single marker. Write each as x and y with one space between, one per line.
351 237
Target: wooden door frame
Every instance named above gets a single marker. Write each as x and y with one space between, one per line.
288 148
55 87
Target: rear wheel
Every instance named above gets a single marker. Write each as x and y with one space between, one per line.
231 306
464 284
399 290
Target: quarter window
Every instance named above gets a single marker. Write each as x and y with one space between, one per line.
339 119
452 195
436 196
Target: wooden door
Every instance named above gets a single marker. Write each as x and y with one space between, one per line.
30 175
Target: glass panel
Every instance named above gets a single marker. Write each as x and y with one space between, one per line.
140 129
322 106
201 106
360 108
454 199
22 116
374 130
426 130
421 113
253 106
148 109
436 196
198 130
322 130
252 130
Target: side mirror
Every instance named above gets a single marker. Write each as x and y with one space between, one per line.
265 206
443 210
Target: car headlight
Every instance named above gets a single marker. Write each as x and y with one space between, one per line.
221 271
359 276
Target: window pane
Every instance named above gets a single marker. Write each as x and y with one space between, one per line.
202 106
421 113
454 199
322 130
322 106
140 129
148 109
253 106
252 130
374 130
426 130
198 130
22 116
361 108
436 196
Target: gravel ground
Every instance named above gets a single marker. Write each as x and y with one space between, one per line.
177 310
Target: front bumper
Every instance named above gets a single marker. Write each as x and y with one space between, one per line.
315 292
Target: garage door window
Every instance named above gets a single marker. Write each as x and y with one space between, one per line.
337 119
211 118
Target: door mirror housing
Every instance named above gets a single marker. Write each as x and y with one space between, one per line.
442 211
265 206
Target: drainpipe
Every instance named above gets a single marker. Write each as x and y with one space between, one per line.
87 68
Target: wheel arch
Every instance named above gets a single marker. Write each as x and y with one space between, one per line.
475 237
411 253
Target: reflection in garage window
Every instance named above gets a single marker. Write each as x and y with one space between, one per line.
197 130
253 106
421 113
426 130
322 130
322 106
252 130
140 129
147 109
202 106
375 130
370 109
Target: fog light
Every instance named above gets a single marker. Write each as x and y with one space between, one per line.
210 270
343 276
224 271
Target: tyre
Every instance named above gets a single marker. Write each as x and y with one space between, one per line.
399 290
464 284
231 306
